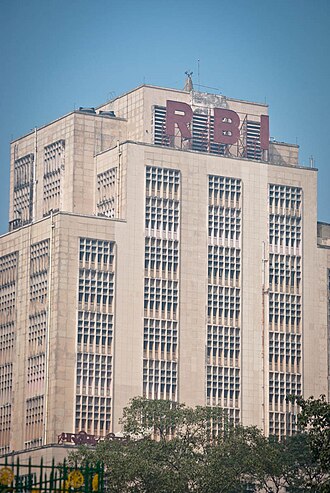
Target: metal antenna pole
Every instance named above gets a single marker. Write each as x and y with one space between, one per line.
198 73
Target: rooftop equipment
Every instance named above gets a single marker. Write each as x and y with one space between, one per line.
87 110
107 113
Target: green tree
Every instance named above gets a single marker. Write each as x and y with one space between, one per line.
171 448
314 453
227 466
302 471
314 418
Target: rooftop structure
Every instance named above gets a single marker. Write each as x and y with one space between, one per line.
159 245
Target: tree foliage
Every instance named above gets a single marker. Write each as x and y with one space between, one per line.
314 418
171 448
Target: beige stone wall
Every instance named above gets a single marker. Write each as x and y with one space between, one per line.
85 135
283 154
21 241
136 106
91 149
323 234
115 159
322 310
129 238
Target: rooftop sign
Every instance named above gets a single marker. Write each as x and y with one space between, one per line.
226 124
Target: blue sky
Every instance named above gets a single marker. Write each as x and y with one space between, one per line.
56 55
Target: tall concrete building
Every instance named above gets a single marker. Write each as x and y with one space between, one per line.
161 245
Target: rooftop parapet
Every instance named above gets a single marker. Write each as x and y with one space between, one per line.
323 234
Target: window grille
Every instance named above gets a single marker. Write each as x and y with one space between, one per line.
23 189
223 386
277 424
95 333
161 284
106 193
160 340
96 290
282 384
224 294
161 258
54 162
285 311
162 183
223 346
8 287
285 352
7 340
225 224
39 264
225 191
161 298
34 419
162 215
224 265
96 255
284 200
160 379
230 415
6 382
36 374
36 341
285 273
37 332
94 374
37 442
160 136
223 305
8 281
285 305
93 414
5 428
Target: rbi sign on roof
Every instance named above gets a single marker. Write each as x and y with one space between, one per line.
226 124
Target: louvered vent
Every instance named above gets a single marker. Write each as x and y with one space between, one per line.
160 137
253 150
203 135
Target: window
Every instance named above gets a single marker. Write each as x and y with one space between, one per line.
161 283
54 162
95 334
224 293
23 189
285 305
106 193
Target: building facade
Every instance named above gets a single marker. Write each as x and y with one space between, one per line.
159 246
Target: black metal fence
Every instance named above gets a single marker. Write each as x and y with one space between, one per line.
39 478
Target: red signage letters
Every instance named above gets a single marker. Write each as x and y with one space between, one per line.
226 124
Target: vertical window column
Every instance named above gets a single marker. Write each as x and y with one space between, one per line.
35 377
95 329
23 189
106 193
8 290
161 284
223 384
54 161
285 305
